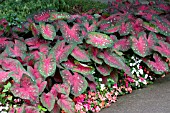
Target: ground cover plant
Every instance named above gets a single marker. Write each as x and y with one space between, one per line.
58 62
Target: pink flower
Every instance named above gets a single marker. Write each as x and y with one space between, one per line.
78 107
98 109
87 107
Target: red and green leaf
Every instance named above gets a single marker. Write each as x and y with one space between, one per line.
99 40
150 27
63 88
66 104
77 82
61 51
41 85
4 75
112 29
122 45
163 48
59 16
140 45
158 66
48 100
48 31
30 109
42 16
34 29
104 69
125 28
47 66
26 89
80 54
93 52
71 35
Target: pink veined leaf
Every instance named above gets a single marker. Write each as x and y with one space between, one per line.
71 35
19 49
165 7
150 27
125 28
93 52
78 83
4 75
80 54
140 45
47 66
3 42
79 67
89 27
104 69
163 48
152 40
113 75
92 85
66 103
62 88
59 16
112 29
15 67
42 16
137 26
61 51
158 66
26 89
99 40
35 54
47 31
115 61
41 85
18 29
56 109
48 100
34 29
44 48
104 25
34 43
122 45
30 109
54 92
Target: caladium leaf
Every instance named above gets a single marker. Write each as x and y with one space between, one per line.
77 82
115 61
163 48
14 66
80 54
48 100
44 48
112 29
26 89
152 40
47 66
59 16
122 45
34 28
90 28
93 52
4 75
48 31
71 35
150 27
63 88
19 49
99 40
41 85
56 109
158 66
61 51
66 104
125 28
140 45
34 43
30 109
4 42
34 71
104 25
42 16
104 69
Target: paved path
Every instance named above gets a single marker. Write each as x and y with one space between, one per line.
153 99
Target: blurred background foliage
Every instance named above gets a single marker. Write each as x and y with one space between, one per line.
16 11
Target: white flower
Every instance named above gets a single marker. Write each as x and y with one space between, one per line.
136 83
131 64
137 73
144 82
102 86
141 71
139 61
133 70
133 57
146 76
3 112
100 79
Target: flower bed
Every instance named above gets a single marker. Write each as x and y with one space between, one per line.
57 62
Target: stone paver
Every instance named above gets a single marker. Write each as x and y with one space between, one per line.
153 99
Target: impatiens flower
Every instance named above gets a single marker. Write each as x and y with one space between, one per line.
98 109
102 86
146 76
141 71
78 106
102 104
100 79
107 105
